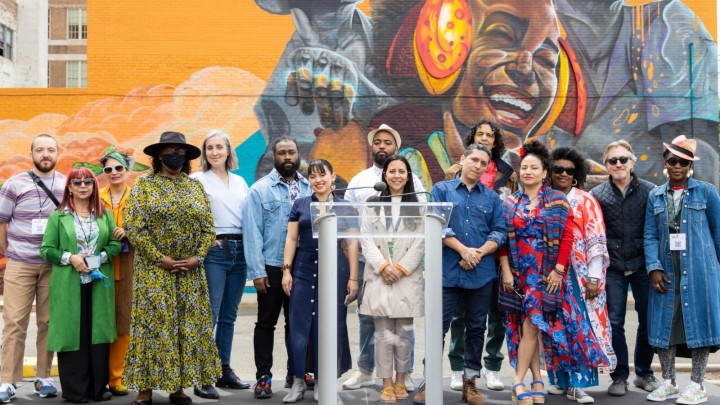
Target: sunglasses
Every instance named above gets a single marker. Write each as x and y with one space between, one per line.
77 182
109 169
623 160
560 169
673 162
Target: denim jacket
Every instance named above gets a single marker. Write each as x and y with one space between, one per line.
265 222
699 271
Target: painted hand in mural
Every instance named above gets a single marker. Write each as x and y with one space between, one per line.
322 81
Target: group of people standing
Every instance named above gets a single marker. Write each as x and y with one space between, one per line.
138 287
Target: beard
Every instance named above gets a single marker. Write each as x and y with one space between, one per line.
44 169
380 159
287 171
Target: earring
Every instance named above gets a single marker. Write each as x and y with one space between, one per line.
332 187
71 193
665 173
574 183
690 173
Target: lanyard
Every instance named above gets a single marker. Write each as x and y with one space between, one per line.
86 235
673 208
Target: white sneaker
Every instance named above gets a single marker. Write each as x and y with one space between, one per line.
409 383
7 393
456 382
358 380
666 391
693 394
579 396
556 390
492 380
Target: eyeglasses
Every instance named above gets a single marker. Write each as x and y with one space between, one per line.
623 160
560 169
77 182
109 169
674 162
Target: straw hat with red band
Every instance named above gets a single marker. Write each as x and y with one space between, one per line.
682 147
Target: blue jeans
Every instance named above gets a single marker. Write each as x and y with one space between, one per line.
617 293
477 301
366 357
226 284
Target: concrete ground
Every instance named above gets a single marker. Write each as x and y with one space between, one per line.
243 363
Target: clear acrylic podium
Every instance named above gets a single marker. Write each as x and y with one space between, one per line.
344 221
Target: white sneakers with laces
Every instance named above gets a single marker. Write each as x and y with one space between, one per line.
456 382
693 394
579 395
492 380
666 391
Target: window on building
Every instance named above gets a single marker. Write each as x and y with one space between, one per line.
77 23
76 73
6 42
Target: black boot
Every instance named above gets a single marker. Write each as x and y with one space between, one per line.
230 380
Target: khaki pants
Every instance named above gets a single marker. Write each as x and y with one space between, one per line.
23 283
393 344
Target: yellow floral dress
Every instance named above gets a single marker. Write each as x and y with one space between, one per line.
171 332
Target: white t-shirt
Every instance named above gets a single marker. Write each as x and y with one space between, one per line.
226 201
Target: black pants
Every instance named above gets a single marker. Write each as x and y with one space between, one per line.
269 306
84 373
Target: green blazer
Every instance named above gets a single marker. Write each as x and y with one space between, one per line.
64 328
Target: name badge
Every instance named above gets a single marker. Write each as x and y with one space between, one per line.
38 226
677 241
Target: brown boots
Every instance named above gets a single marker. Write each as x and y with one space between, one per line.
470 394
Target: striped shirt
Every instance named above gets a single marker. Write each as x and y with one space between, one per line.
21 201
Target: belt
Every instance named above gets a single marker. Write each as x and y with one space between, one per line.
226 237
229 236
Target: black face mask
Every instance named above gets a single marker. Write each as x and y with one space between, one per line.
173 161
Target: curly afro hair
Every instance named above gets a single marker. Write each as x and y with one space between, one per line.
578 159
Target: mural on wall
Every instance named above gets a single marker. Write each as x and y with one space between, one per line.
582 73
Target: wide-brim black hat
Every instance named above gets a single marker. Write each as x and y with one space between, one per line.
172 138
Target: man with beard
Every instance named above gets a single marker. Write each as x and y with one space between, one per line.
265 221
384 141
24 209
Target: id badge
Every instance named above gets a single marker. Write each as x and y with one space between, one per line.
391 246
38 226
93 261
677 241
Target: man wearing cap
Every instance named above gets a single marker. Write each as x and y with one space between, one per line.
623 198
265 222
384 141
24 209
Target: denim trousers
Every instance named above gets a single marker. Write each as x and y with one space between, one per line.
366 357
226 283
617 293
477 301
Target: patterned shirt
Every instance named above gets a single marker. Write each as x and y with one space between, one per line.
293 187
21 202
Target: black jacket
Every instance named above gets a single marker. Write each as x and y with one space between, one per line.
624 223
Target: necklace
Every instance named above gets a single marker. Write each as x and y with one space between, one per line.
115 201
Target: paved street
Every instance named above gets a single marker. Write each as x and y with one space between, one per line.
244 365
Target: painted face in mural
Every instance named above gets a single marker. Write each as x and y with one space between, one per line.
44 152
287 158
510 73
619 163
382 147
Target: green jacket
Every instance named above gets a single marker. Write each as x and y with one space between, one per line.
64 328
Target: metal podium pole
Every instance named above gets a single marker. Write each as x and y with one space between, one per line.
327 320
433 309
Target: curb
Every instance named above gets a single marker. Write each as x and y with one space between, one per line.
30 368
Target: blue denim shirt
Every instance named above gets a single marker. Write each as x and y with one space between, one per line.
265 221
699 272
477 216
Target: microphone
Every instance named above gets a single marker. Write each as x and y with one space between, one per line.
376 198
379 186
